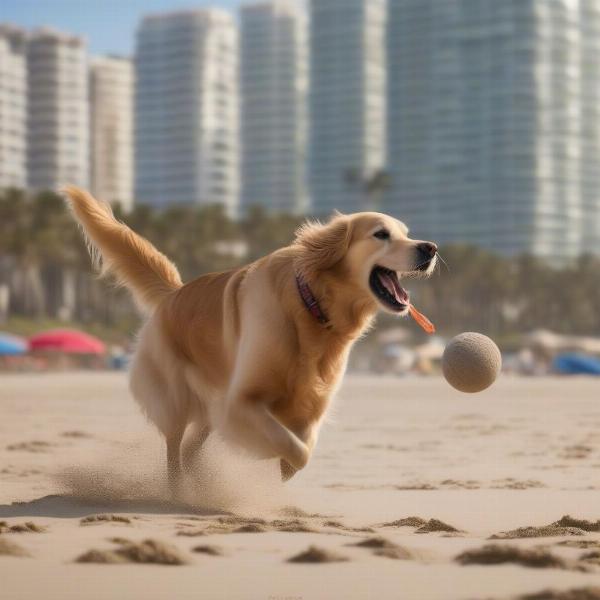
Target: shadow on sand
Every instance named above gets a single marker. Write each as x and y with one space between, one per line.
70 506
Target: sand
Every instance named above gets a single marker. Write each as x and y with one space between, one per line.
409 482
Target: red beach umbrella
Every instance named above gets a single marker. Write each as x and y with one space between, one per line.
69 341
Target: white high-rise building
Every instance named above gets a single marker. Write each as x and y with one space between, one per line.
187 109
347 101
494 123
111 97
273 70
58 137
13 107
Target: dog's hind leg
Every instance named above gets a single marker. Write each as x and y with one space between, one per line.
174 461
252 425
287 471
157 385
193 444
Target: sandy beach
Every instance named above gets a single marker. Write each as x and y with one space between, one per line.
409 482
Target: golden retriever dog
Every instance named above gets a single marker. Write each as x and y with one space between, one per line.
255 353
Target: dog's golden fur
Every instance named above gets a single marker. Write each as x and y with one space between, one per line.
238 352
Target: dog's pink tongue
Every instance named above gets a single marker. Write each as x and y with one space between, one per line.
393 287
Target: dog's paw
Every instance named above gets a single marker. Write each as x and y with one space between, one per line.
298 454
287 471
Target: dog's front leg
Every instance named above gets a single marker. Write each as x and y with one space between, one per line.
255 428
309 437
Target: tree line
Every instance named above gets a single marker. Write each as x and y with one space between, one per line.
45 271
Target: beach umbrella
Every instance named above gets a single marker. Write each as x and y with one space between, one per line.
12 345
68 341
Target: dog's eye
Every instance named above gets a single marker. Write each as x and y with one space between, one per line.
382 234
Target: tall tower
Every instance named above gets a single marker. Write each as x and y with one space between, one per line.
58 138
111 97
493 135
186 109
347 101
13 100
273 70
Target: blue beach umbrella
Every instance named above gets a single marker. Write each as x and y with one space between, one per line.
12 345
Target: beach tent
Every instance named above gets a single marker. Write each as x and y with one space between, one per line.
12 345
68 341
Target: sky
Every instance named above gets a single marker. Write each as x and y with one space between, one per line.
108 25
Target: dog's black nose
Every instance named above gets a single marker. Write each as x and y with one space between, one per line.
428 249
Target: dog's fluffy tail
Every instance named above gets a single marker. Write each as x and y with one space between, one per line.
119 251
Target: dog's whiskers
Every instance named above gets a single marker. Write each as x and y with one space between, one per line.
443 262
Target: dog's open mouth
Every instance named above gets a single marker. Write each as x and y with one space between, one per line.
386 287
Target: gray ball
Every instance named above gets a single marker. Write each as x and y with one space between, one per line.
471 362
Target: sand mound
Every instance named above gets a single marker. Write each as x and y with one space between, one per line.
568 521
434 525
314 554
251 528
385 547
423 526
341 527
565 526
147 551
238 524
532 532
27 527
210 550
586 593
406 522
9 548
496 554
375 542
91 519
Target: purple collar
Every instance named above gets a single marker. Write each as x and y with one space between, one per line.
311 303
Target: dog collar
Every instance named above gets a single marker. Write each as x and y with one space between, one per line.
311 303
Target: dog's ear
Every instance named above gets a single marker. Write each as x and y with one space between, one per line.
323 245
